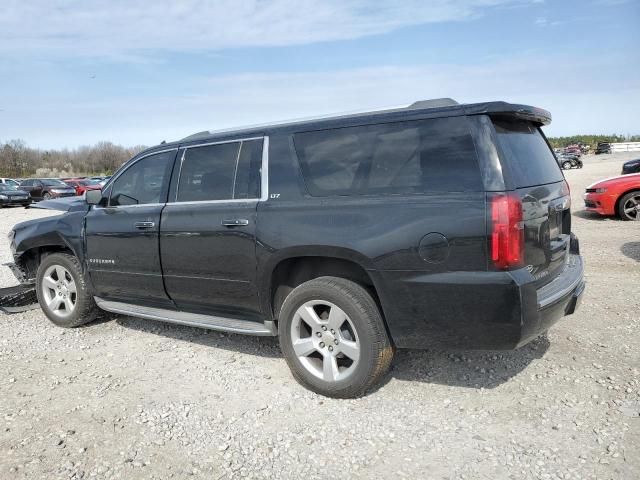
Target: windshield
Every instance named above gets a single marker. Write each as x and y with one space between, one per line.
7 188
51 182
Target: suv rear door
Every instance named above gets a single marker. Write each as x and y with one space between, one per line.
208 229
531 169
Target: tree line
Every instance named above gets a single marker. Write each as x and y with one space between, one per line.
593 140
17 160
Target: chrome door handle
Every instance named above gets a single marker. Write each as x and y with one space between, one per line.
144 225
236 222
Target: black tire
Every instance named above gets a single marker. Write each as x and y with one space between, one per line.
85 309
621 204
566 165
376 350
46 196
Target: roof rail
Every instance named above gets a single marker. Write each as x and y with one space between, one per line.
421 104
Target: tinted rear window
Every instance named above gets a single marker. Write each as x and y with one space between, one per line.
530 159
422 156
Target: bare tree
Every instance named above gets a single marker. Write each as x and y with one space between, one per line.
18 160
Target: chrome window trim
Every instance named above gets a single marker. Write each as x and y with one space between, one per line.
114 178
175 195
264 171
201 202
133 206
264 181
242 139
235 171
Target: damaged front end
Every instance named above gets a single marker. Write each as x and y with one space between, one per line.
18 299
32 240
23 297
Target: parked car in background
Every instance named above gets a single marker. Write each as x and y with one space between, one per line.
568 160
573 150
632 166
347 237
82 185
9 181
11 195
603 147
615 196
46 188
101 179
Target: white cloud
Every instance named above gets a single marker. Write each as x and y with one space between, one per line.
113 27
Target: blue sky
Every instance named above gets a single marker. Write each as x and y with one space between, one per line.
138 72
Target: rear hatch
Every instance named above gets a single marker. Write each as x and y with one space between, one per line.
532 170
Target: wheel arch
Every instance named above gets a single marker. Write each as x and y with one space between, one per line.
616 205
300 265
30 258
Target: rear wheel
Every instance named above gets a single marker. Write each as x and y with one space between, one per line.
333 337
629 206
566 165
46 196
62 291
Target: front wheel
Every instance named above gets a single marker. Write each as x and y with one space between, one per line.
566 165
62 291
46 196
629 206
333 337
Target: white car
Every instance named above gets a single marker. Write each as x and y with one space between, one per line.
9 181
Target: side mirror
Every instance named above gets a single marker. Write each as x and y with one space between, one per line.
93 197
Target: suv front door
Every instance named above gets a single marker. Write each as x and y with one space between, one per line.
122 252
207 234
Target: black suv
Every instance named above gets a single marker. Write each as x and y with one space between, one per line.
603 147
347 237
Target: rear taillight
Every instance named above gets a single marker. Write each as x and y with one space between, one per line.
506 241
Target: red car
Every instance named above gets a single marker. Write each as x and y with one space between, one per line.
81 185
615 196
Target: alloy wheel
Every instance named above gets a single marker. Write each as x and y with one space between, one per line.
325 340
631 207
59 291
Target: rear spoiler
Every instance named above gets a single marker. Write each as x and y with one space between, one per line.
504 109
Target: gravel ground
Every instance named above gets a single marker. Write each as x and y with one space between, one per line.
127 398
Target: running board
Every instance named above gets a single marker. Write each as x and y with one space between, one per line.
222 324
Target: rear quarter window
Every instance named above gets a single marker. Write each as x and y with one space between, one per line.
529 158
435 155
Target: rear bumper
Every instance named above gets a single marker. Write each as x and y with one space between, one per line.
477 310
559 298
